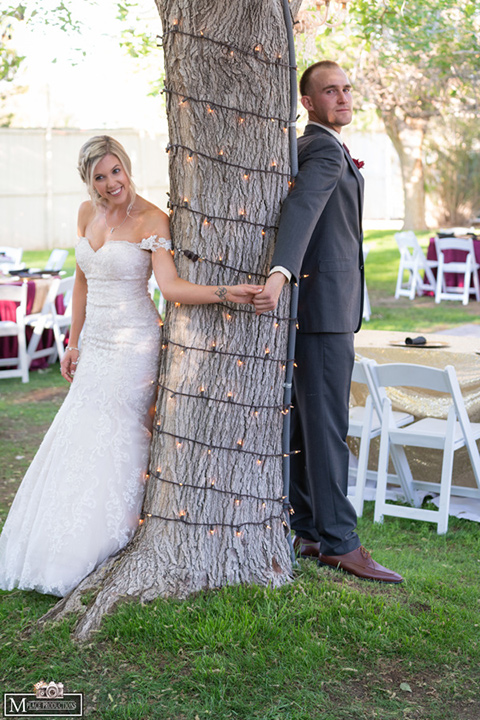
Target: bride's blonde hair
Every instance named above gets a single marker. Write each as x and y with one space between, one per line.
90 155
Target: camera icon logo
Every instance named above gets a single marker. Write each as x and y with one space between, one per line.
51 690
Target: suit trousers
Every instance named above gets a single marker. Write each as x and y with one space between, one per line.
319 426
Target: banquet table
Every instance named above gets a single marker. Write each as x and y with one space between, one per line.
463 352
452 279
37 289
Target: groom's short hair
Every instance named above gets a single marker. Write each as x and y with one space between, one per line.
305 79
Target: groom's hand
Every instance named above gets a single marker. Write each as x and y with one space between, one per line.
268 298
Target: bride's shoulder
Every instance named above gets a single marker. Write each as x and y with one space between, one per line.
86 209
152 213
86 213
155 227
153 220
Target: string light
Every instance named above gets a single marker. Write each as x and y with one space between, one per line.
212 486
197 258
213 349
202 395
227 47
210 446
213 526
185 205
216 112
282 122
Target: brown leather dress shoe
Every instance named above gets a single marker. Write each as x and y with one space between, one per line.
359 563
306 548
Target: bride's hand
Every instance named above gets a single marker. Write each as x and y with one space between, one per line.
239 293
69 364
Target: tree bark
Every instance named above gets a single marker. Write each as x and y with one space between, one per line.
213 511
408 135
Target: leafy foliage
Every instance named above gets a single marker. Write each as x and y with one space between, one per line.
453 169
413 61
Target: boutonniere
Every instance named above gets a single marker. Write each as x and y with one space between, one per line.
358 163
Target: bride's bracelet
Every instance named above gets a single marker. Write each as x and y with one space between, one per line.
71 348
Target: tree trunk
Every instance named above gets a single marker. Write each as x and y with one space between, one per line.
213 512
408 135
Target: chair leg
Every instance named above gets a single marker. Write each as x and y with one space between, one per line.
466 286
59 340
381 492
416 280
404 474
399 279
413 282
34 341
23 362
445 487
362 466
438 289
476 284
367 309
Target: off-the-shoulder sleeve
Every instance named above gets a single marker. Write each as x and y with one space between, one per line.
154 243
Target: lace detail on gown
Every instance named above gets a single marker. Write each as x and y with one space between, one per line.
81 497
154 243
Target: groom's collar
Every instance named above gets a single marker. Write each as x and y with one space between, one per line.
335 134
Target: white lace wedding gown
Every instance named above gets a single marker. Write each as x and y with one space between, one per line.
80 500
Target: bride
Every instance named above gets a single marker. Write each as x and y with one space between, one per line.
80 500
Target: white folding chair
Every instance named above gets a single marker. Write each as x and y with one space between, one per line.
364 423
41 321
467 268
448 435
367 310
15 329
420 277
152 286
61 321
57 258
10 258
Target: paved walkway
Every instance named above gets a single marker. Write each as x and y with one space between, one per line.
469 330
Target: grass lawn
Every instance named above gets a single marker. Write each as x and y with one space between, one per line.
421 314
325 647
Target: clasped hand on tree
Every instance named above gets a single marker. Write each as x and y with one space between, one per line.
268 299
239 293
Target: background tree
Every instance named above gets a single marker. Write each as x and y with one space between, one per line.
415 62
452 169
214 512
10 62
12 14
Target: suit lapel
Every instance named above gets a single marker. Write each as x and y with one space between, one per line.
312 130
360 181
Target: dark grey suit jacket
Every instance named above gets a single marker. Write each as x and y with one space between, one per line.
320 235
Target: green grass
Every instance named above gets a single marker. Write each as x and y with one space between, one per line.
26 411
38 258
325 647
388 313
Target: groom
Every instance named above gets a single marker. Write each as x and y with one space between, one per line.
319 243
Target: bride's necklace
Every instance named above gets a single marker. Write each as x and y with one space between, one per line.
112 229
